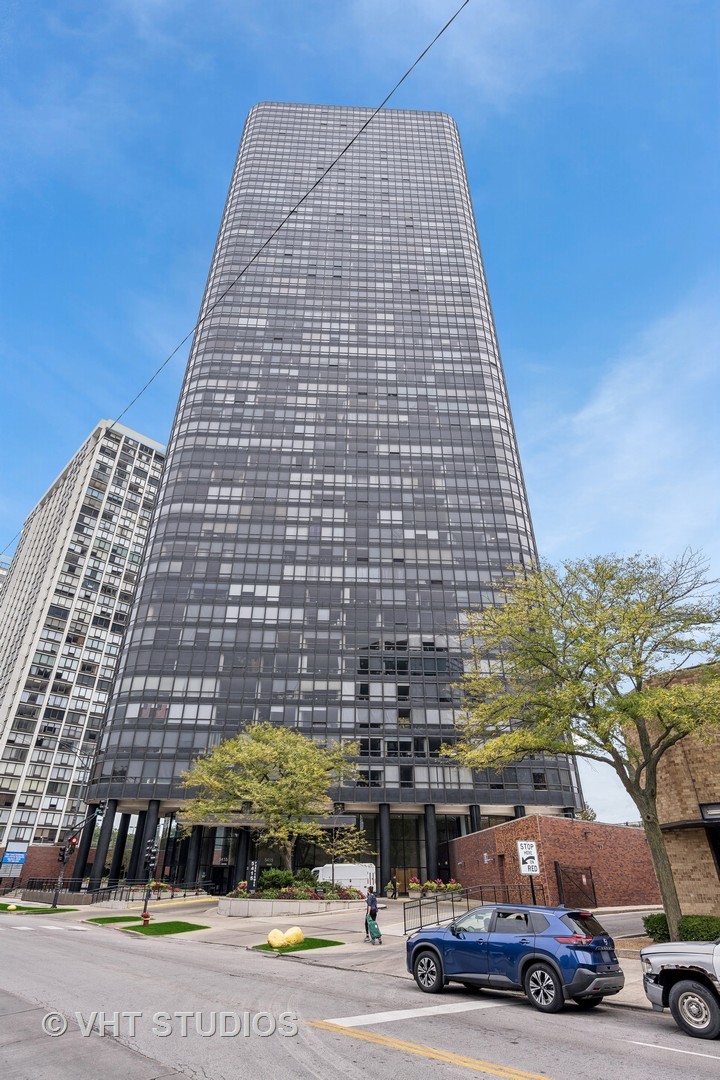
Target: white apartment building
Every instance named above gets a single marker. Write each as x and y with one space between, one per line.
63 607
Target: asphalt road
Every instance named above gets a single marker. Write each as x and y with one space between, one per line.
351 1024
624 923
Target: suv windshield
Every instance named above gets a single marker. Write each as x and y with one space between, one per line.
582 922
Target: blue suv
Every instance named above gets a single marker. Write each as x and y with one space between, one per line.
553 954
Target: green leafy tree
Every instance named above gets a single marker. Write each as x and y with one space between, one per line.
587 814
344 843
274 775
589 658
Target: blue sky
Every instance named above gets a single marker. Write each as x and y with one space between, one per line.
590 129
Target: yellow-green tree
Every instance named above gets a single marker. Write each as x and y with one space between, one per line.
274 775
585 658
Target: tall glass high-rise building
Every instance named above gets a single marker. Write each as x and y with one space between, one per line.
342 482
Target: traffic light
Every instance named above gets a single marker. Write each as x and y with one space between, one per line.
72 846
151 853
63 854
99 811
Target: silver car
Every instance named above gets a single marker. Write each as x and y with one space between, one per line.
684 976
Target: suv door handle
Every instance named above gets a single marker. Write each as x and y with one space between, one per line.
524 940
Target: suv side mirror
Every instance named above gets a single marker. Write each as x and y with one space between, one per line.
453 929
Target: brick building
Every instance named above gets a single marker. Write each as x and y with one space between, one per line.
582 863
688 802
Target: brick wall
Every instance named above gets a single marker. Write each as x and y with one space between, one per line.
688 774
617 854
696 878
42 862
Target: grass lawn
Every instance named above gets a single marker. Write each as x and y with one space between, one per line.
308 943
115 918
35 910
160 928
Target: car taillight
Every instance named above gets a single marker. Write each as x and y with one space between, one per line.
575 939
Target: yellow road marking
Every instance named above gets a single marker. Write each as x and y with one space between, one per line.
178 900
445 1056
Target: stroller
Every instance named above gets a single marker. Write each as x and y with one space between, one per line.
374 931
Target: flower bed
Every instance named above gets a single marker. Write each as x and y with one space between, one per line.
282 885
425 888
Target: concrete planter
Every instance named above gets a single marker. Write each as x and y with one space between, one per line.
246 909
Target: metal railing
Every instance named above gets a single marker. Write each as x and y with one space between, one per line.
125 890
135 890
435 908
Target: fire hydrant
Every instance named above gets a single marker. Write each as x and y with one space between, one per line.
145 918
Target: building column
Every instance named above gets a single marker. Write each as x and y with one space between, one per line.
119 852
103 844
519 810
193 856
149 833
83 850
475 825
207 853
241 858
384 839
180 852
167 852
431 841
132 870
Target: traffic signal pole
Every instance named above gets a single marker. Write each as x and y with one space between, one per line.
68 846
151 854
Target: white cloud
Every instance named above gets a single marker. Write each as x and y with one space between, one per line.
637 467
605 794
498 51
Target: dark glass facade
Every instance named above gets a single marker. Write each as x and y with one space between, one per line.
342 478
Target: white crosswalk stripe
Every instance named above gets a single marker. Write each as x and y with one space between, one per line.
411 1014
47 926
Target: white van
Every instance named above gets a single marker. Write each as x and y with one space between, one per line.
359 875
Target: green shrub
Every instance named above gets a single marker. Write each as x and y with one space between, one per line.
305 876
699 928
275 879
656 927
692 928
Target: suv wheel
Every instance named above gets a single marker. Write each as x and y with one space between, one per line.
428 973
695 1009
543 988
